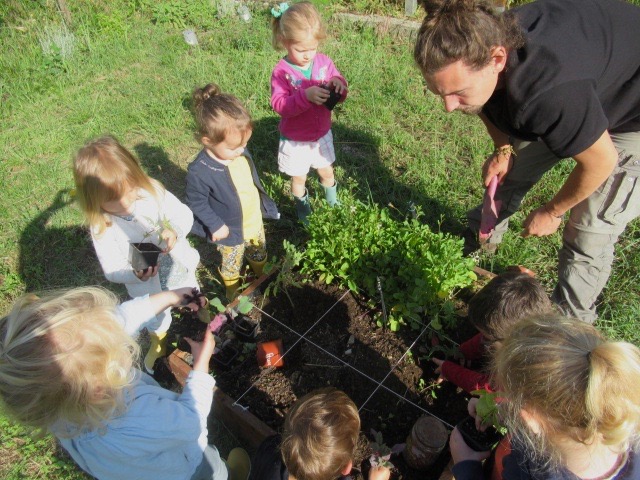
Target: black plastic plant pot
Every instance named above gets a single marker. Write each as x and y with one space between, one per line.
334 98
143 255
245 328
225 356
477 440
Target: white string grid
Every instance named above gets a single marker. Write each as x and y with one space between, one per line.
378 384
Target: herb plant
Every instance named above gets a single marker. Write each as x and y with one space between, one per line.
357 243
487 408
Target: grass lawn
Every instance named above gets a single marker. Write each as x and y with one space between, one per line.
130 73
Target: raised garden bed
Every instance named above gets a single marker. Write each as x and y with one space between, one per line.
330 337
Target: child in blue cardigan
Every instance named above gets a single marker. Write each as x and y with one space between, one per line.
223 188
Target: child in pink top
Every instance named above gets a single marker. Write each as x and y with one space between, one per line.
304 87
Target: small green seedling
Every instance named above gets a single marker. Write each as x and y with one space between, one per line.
488 409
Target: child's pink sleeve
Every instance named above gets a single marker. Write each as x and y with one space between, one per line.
462 377
286 101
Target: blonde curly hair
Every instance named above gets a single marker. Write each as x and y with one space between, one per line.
65 358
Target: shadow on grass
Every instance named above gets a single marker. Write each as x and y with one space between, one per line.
54 257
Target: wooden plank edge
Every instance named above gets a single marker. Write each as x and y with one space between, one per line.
252 287
481 272
243 423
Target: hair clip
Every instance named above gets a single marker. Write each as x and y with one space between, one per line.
278 10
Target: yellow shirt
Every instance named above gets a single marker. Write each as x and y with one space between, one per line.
240 172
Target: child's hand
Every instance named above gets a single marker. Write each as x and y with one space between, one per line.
222 232
339 87
145 275
170 237
317 95
202 351
471 408
438 370
182 294
460 451
379 473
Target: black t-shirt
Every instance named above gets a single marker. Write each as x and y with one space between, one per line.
577 76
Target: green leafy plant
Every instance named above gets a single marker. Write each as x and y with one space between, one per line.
358 243
286 275
488 409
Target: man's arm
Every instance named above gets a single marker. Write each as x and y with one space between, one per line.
593 167
498 163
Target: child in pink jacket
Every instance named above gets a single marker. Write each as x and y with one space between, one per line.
305 85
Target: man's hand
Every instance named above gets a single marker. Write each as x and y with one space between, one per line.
460 451
317 95
540 223
497 163
169 237
222 232
145 275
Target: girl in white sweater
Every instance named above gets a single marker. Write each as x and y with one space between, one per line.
123 205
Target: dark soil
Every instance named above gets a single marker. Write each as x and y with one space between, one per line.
344 349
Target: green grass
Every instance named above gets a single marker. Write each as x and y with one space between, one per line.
132 76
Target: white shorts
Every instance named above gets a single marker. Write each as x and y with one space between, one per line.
296 158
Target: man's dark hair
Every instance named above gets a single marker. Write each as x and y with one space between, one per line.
464 30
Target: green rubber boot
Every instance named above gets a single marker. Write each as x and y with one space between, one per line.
303 208
331 195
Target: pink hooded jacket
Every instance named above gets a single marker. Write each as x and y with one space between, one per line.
302 120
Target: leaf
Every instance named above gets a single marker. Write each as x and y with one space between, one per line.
218 305
244 305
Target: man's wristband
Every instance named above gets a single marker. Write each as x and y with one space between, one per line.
505 151
546 209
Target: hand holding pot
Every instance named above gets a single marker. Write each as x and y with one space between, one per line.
202 351
145 275
460 451
317 95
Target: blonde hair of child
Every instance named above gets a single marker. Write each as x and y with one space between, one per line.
320 435
218 113
299 22
64 357
573 381
103 171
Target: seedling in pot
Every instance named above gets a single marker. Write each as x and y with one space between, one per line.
245 328
143 255
381 452
488 411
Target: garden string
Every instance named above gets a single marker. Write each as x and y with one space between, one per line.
379 384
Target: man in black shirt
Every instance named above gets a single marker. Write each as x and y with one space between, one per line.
550 79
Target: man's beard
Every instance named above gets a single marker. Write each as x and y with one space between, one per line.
470 109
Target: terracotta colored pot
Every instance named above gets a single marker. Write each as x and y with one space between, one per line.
269 354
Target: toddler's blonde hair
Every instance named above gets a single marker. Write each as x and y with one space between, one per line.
103 171
297 23
65 358
320 435
577 384
217 113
